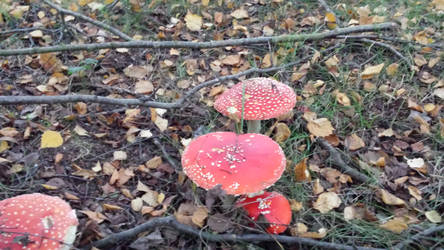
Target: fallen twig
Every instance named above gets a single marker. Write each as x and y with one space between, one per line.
170 221
14 100
418 236
389 47
90 20
200 45
339 162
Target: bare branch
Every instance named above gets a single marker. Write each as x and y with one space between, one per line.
90 20
418 236
170 221
339 162
200 45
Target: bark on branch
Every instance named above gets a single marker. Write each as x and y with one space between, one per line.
170 221
90 20
200 45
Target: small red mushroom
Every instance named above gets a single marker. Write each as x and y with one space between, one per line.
241 164
273 206
36 221
263 98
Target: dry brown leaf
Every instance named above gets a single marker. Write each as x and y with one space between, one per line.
137 72
282 132
161 123
199 216
387 133
326 202
392 69
317 187
81 108
9 131
396 225
80 131
321 233
295 205
184 213
50 62
320 127
95 216
301 172
389 198
143 87
119 155
154 162
334 176
231 60
218 17
111 207
415 192
372 71
342 98
354 142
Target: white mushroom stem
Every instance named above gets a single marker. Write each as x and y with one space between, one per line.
254 126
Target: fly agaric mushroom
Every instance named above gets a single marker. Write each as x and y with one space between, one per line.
273 206
241 164
36 221
263 98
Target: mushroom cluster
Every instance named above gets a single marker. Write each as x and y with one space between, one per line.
245 164
36 221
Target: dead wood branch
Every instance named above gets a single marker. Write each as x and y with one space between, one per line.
170 221
418 236
90 20
200 45
15 100
340 163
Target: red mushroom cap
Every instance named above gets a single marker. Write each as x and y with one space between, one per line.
273 206
241 164
36 221
265 98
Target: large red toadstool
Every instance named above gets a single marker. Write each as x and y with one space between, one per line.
273 206
263 98
36 221
241 164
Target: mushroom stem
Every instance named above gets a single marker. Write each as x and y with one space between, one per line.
254 126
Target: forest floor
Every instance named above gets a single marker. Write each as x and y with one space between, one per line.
364 144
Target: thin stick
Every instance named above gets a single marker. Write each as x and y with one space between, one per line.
432 230
339 162
90 20
170 221
389 47
200 45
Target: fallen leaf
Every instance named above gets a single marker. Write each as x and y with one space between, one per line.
154 162
143 87
199 216
111 207
138 72
137 204
342 98
81 108
417 164
439 92
389 198
231 60
334 176
317 187
387 133
392 69
320 127
371 71
326 202
9 131
354 142
301 172
193 21
282 132
51 139
433 216
119 155
161 123
95 216
80 131
396 225
295 205
415 192
330 19
239 13
151 198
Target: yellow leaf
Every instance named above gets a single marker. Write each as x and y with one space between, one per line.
396 225
111 207
80 131
326 202
51 139
3 146
415 192
371 71
320 127
389 198
49 187
392 69
193 21
205 3
330 19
